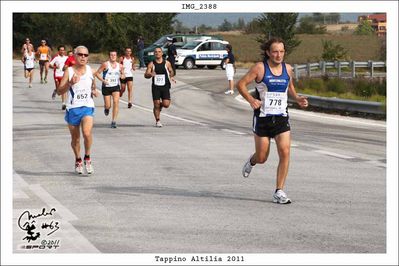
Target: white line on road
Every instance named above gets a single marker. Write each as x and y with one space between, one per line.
233 131
65 214
333 154
167 115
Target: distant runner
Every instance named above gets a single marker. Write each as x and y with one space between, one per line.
26 45
161 73
274 81
44 53
29 60
110 73
127 61
70 60
58 65
79 82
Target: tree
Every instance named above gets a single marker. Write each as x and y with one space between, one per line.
204 28
116 30
333 52
253 27
179 27
279 25
364 28
225 26
240 24
309 27
326 18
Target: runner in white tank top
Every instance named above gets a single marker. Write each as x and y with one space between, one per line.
110 73
79 94
128 65
79 82
29 59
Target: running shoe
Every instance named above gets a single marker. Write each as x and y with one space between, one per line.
88 166
113 124
280 197
229 92
54 94
106 112
158 124
41 81
45 80
79 167
129 105
246 170
30 85
63 106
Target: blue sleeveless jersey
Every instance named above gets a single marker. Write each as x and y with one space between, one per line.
273 92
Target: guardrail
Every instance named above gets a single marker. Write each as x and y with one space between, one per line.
337 104
345 105
321 69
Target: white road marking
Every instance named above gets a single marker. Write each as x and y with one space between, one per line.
333 154
233 131
72 241
163 114
65 214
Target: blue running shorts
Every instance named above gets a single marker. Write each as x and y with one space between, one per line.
75 115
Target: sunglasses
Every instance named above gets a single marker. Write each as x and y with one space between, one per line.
81 54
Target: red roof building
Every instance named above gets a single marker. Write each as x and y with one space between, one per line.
378 22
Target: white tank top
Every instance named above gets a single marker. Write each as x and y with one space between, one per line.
112 75
30 60
127 67
79 94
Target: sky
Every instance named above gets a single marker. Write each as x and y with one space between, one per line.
215 19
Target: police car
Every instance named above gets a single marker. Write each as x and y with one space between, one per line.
201 53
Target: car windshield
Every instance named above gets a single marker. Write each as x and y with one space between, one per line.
161 41
190 45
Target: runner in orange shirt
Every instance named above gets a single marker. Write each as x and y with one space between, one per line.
44 53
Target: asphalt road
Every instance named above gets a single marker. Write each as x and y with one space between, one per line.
179 189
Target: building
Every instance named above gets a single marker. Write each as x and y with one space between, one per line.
378 22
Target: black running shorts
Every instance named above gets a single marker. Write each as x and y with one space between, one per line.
270 126
124 81
109 90
43 62
160 93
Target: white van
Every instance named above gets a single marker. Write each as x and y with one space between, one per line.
201 53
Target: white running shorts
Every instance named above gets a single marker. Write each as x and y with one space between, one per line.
229 71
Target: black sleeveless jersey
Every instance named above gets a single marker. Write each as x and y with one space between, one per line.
160 69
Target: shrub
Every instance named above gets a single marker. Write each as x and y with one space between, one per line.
344 28
364 28
317 84
333 52
336 85
363 88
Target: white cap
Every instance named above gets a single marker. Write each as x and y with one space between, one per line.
169 38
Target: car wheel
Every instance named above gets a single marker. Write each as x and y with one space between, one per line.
211 66
188 63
